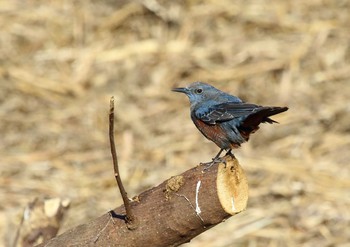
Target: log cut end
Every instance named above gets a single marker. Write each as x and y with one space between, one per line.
232 186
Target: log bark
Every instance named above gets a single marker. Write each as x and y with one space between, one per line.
171 213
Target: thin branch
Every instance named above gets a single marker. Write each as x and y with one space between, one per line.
129 215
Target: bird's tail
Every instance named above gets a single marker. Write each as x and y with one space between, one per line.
261 115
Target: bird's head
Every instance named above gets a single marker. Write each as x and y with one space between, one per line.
198 92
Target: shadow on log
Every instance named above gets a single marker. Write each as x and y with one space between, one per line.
171 213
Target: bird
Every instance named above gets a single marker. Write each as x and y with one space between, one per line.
225 119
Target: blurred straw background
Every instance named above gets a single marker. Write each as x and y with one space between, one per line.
61 61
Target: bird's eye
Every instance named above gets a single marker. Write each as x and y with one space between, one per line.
199 91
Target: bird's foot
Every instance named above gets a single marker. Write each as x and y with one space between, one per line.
229 152
214 161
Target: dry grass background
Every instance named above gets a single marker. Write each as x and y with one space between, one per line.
60 61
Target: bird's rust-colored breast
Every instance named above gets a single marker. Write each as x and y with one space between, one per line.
215 133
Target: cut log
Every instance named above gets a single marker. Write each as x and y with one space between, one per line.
171 213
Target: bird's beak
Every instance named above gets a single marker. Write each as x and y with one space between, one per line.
180 90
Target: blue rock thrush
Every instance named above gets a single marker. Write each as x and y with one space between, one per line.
223 118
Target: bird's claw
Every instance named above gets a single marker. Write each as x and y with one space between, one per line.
230 153
214 161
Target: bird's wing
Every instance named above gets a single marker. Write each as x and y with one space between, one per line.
225 112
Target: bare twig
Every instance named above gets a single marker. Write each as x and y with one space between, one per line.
129 215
